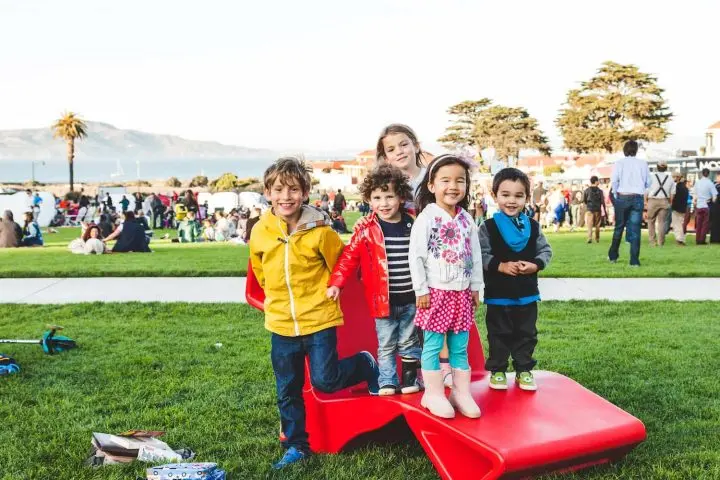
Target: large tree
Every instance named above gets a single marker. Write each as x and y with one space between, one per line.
70 127
620 103
508 130
459 134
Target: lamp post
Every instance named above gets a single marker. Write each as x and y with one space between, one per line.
42 162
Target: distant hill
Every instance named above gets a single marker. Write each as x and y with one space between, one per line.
108 142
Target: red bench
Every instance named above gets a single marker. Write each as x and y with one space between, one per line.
560 427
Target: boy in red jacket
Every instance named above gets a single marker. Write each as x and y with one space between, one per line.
380 247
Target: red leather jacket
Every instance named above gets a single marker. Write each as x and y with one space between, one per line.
366 249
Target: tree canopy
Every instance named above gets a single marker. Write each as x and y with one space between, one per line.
478 124
620 103
70 127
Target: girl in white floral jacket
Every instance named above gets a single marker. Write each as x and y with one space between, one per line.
447 274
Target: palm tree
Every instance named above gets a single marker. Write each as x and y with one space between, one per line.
69 127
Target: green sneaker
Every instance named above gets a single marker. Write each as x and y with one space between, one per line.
525 381
498 381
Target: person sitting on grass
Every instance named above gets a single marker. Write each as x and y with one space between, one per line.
130 236
338 223
208 231
296 238
90 242
14 240
32 236
382 245
222 227
189 230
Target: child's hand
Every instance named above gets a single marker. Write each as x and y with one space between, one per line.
423 301
476 299
527 268
333 293
361 221
510 268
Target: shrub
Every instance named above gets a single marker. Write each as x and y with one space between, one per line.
199 181
226 182
549 170
173 182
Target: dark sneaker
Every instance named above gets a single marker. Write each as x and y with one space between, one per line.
372 373
410 382
386 390
292 455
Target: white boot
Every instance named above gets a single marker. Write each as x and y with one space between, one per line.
434 397
460 397
447 374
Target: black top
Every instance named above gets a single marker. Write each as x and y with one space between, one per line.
679 203
131 239
397 248
593 198
501 285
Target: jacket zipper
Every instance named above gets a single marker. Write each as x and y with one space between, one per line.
387 261
287 279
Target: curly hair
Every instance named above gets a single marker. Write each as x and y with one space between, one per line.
288 168
88 230
383 177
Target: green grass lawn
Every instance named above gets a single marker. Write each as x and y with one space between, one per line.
154 366
572 258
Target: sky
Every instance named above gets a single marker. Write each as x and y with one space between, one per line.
329 75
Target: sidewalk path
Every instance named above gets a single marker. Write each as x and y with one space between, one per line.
232 289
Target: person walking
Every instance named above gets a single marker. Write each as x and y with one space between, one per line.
630 178
679 206
594 201
705 194
659 197
339 202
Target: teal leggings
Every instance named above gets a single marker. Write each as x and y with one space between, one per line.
457 346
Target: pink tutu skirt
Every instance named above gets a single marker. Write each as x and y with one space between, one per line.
450 310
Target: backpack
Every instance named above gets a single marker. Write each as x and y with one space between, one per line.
594 198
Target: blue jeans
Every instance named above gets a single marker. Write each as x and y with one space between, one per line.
327 374
628 213
396 335
457 347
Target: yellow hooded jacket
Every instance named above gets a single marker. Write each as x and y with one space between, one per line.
294 271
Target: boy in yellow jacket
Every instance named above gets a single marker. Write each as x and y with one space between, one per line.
293 250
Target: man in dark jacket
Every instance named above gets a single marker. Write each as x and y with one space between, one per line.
594 201
339 202
679 207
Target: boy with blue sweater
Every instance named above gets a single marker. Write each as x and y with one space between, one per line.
514 249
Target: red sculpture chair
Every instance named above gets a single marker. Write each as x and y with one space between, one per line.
560 427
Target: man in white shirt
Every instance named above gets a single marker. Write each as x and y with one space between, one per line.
704 194
659 197
630 178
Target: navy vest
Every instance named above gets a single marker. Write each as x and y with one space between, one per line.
500 285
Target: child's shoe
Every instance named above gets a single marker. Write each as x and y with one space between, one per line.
525 381
460 397
410 382
292 455
372 373
446 372
498 381
434 397
386 390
